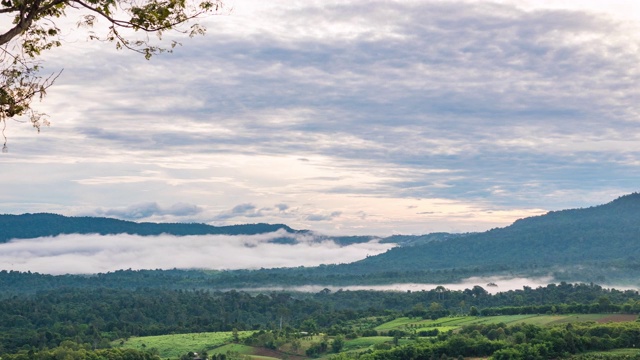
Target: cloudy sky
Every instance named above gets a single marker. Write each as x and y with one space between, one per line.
344 117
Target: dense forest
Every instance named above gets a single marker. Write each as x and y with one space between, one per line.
98 316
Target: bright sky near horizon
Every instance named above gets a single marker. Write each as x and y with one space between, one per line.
344 117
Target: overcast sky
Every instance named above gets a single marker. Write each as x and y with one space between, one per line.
344 117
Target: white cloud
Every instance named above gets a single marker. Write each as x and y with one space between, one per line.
83 254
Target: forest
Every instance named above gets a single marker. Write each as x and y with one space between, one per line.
89 323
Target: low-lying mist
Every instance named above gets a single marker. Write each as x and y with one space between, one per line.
498 284
90 254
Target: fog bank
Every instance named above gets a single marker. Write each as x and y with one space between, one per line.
501 284
89 254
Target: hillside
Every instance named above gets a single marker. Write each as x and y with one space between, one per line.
604 233
27 226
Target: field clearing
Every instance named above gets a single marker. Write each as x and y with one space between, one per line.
452 323
235 348
365 342
616 352
176 345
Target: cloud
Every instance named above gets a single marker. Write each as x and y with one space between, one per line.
145 210
282 207
513 106
320 217
85 254
241 210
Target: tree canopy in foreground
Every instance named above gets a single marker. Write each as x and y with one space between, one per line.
29 27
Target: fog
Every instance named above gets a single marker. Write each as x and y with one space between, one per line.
502 284
89 254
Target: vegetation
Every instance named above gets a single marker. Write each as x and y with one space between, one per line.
176 314
30 27
175 345
172 323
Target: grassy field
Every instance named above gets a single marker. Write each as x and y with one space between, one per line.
452 323
174 346
366 342
235 348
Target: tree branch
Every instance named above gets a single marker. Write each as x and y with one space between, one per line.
23 24
130 25
9 10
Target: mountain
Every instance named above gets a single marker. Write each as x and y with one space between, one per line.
27 226
605 233
412 240
597 244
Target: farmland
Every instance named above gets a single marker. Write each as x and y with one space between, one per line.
293 346
173 346
453 323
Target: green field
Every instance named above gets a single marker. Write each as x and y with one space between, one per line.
366 342
176 345
452 323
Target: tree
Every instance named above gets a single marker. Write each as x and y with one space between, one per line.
31 28
337 344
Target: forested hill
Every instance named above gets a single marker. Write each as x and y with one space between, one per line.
604 233
28 226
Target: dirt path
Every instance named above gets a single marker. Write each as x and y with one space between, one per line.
618 318
276 354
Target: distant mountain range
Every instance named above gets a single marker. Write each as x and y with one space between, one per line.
29 226
599 244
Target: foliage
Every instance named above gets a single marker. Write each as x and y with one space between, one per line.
72 351
32 28
99 316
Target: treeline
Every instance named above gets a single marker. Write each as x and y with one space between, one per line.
502 342
98 316
72 351
17 283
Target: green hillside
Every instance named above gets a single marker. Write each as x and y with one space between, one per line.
27 226
605 233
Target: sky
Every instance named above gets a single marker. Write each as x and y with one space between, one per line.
343 117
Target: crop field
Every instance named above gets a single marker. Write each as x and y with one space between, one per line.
176 345
452 323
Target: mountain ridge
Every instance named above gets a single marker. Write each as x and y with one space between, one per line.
33 225
605 232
